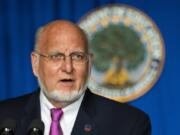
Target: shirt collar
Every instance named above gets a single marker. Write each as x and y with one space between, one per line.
48 105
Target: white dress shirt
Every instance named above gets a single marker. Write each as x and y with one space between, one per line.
69 114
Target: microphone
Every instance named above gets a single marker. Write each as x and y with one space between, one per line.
36 127
8 127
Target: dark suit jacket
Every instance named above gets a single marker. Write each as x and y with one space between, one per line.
97 116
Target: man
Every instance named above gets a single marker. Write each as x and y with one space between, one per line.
62 62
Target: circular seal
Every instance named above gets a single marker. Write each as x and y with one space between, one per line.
128 51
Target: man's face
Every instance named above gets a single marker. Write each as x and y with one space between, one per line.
63 77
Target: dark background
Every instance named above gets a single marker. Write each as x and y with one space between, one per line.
19 20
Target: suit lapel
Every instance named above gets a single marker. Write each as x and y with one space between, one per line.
31 112
85 124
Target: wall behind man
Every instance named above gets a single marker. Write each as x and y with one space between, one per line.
20 18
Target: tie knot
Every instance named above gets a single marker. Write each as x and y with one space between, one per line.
56 114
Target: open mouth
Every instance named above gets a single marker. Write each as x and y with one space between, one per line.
67 80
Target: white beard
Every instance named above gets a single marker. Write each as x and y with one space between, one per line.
62 96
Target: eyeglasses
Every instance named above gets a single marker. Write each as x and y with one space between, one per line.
76 57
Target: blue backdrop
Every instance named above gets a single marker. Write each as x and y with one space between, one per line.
20 18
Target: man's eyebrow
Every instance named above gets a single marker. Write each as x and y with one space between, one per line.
55 53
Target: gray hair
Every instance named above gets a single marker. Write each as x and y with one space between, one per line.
37 36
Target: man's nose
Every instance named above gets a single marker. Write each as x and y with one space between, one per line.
67 65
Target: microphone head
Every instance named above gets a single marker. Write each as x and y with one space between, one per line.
36 127
8 127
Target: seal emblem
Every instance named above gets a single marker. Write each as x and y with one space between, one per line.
128 51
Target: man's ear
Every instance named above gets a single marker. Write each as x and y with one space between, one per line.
35 63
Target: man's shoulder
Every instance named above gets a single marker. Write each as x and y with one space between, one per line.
113 117
17 102
115 108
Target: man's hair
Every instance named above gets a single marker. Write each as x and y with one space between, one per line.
37 36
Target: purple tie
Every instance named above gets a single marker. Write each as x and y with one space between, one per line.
56 114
